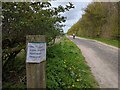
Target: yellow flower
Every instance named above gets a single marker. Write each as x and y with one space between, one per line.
78 80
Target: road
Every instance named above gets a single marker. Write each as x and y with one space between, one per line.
102 59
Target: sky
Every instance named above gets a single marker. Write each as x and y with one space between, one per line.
74 14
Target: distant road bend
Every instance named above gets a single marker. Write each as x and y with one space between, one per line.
102 59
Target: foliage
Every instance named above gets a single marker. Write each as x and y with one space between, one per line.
66 67
27 18
100 20
16 77
21 19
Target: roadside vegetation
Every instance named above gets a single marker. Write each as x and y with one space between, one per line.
100 22
27 18
113 42
16 78
65 68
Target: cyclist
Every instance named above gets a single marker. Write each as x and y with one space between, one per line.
73 36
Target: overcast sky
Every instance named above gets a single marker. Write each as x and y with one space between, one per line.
74 14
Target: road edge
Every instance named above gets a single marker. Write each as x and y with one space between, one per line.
118 88
99 42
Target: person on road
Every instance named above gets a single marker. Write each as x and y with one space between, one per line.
73 36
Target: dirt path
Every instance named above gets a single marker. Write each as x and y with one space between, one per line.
102 59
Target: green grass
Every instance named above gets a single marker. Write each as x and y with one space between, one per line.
112 42
109 41
66 67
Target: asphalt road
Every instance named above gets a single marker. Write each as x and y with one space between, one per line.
102 59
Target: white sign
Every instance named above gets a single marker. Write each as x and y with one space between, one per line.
36 52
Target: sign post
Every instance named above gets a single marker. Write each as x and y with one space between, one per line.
35 61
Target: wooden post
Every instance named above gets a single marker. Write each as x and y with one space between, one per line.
35 72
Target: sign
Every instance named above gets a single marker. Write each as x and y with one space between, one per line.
36 52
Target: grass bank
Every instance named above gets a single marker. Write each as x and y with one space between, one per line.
112 42
66 67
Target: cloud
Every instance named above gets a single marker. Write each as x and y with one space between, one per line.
74 14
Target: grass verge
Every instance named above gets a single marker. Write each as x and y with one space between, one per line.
66 67
112 42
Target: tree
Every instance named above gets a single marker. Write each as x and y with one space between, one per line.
100 20
27 18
